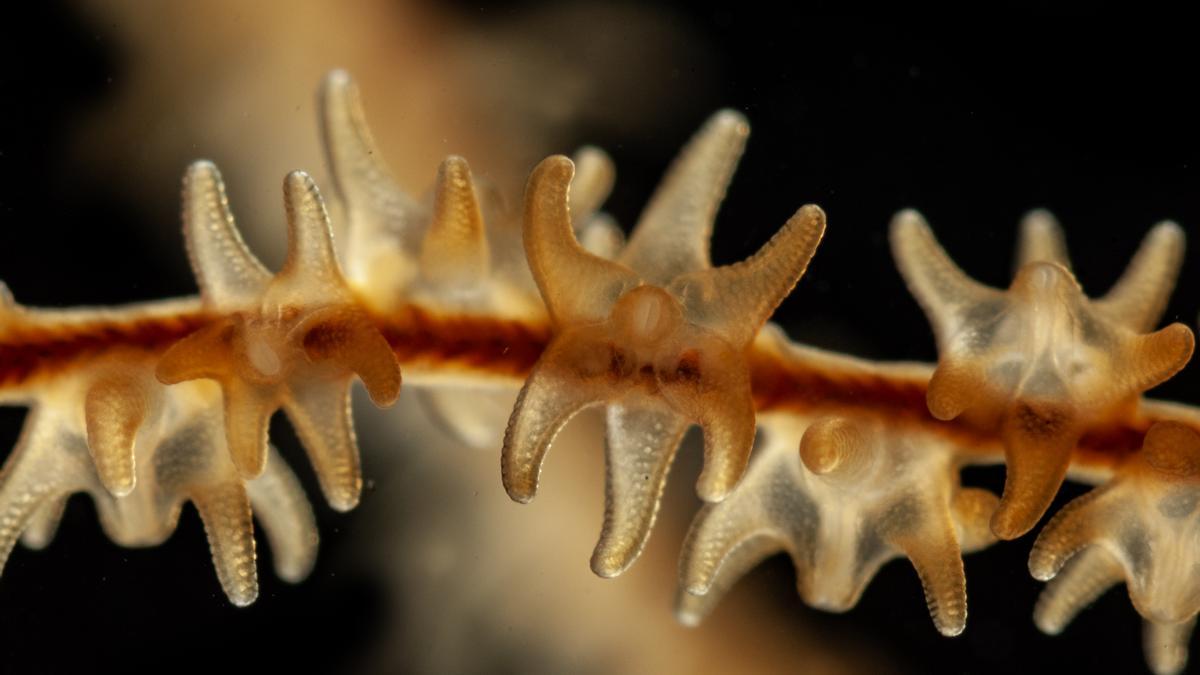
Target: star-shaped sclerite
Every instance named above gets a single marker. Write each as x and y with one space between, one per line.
293 340
1040 361
859 492
658 335
180 456
1143 528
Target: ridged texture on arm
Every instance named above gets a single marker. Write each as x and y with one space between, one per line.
857 494
658 335
294 343
1143 528
1040 362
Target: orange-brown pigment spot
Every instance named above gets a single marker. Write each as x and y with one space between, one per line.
508 349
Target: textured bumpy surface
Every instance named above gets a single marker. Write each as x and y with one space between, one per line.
858 494
1142 528
148 406
662 340
1039 362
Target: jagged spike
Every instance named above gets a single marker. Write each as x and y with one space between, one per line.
594 178
310 254
734 301
1041 240
227 272
555 391
1086 577
730 565
559 264
672 236
455 249
225 509
640 445
1071 529
938 285
43 524
972 510
1038 443
287 518
1166 645
935 554
115 407
1140 296
320 412
1152 359
345 336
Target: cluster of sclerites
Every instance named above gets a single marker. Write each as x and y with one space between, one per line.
145 407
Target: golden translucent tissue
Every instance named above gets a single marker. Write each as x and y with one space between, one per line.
1143 528
859 493
1039 362
658 335
78 438
458 251
292 340
461 251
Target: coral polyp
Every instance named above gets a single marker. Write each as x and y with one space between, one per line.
843 463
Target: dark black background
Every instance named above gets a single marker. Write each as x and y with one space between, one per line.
973 124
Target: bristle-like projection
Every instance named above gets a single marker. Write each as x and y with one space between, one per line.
663 355
293 340
859 493
1040 362
1143 528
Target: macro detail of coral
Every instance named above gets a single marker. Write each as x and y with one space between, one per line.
503 313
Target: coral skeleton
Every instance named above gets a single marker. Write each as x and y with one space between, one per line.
843 463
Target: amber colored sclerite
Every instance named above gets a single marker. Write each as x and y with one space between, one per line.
1040 362
293 340
148 406
660 337
1143 528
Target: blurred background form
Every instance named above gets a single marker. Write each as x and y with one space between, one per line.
437 571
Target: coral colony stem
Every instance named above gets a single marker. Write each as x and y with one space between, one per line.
150 405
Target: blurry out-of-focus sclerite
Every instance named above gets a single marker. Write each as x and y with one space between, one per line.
550 311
